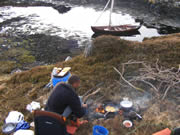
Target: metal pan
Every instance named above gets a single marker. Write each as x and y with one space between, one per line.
110 109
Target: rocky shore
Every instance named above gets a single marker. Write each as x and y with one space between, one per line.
159 14
61 8
25 52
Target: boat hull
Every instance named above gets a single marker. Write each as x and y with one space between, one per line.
121 30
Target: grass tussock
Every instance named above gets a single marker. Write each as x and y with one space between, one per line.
108 51
22 88
7 66
14 58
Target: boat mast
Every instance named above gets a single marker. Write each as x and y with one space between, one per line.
110 19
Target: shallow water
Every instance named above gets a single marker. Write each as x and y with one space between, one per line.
75 24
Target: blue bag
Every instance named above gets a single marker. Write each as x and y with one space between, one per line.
22 125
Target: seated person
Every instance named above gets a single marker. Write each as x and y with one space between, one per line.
64 96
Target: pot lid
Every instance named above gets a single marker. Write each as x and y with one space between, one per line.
126 104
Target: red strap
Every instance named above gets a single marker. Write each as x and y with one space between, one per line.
166 131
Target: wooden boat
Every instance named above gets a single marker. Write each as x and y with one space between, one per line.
122 30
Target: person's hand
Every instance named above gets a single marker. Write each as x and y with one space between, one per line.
84 105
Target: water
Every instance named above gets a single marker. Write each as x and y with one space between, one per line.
74 24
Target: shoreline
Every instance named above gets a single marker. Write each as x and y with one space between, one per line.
154 15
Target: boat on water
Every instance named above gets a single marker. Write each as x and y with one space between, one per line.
121 30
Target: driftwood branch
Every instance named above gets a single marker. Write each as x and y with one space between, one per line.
92 94
161 80
127 81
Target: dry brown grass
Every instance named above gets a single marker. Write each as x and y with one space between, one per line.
108 51
115 127
23 88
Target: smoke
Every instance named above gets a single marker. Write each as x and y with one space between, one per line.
143 102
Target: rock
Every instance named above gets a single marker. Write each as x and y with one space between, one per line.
34 50
88 50
16 71
68 58
62 8
177 4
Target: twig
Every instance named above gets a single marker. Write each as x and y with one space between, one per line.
151 85
127 81
92 94
168 88
97 100
165 94
163 79
121 84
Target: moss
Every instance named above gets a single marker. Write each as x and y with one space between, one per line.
26 58
1 40
152 1
13 58
7 66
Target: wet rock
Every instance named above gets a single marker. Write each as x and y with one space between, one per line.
166 12
9 21
62 8
51 49
162 28
27 51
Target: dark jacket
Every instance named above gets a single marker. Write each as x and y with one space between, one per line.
62 96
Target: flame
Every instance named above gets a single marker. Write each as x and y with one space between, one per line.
100 109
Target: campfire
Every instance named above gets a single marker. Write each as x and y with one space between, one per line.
100 109
108 110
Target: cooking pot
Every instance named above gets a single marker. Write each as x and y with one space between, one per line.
126 105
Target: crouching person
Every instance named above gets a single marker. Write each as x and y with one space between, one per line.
64 96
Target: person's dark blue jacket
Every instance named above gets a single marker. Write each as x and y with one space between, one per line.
62 96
